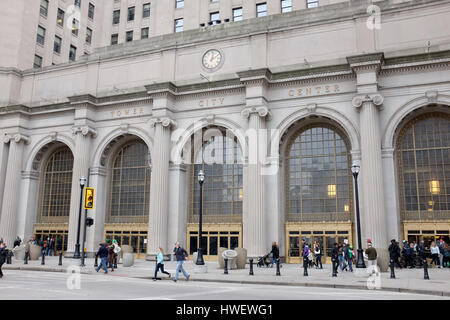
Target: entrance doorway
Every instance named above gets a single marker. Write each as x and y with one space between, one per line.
214 236
427 231
326 234
133 235
60 232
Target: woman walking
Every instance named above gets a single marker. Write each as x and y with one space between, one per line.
318 253
160 263
435 255
275 253
446 258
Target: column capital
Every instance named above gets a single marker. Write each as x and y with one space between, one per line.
6 138
20 137
164 121
262 111
375 98
84 130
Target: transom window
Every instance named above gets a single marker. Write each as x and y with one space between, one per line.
312 3
318 176
57 186
130 184
220 158
423 161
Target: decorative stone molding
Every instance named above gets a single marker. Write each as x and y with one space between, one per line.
124 127
31 175
364 62
165 122
387 153
7 138
99 171
311 107
84 130
376 98
209 118
262 111
432 96
20 137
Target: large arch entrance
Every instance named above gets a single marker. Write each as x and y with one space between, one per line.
422 153
219 155
318 186
128 193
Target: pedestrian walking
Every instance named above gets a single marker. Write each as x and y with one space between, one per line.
310 258
394 253
181 255
160 263
275 253
111 255
413 248
371 255
318 252
349 255
3 254
51 247
341 257
103 254
440 244
407 254
446 254
435 255
334 257
116 250
16 242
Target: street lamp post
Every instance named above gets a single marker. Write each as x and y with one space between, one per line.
355 170
201 179
76 255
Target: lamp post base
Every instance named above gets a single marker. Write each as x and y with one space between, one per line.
199 261
76 254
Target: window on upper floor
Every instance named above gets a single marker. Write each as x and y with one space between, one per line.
72 53
312 3
116 16
44 8
286 6
131 11
91 11
75 26
214 16
179 3
37 61
40 35
237 14
77 3
88 36
57 44
114 38
178 25
144 33
129 36
60 18
146 10
261 9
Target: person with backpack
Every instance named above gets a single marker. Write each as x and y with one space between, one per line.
350 254
181 255
160 263
318 253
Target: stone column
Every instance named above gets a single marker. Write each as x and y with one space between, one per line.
4 149
11 196
254 224
373 220
159 187
83 135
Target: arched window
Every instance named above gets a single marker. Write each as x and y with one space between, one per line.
57 187
130 184
423 163
318 176
220 159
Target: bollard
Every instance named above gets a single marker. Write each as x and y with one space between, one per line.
251 266
305 266
425 270
278 267
26 258
60 259
334 267
8 257
96 262
225 270
392 269
43 259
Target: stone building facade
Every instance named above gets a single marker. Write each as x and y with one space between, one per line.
275 115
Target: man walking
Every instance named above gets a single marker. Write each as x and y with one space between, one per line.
181 255
3 254
103 254
394 253
334 257
372 257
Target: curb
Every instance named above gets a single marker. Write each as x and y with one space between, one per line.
272 283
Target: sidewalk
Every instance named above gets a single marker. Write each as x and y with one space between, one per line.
410 280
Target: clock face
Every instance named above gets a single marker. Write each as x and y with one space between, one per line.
212 59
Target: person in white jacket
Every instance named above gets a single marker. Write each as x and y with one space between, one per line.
116 250
435 254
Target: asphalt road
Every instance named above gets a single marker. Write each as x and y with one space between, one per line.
32 285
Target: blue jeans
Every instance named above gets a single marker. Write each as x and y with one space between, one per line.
180 267
341 260
52 251
103 264
350 263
